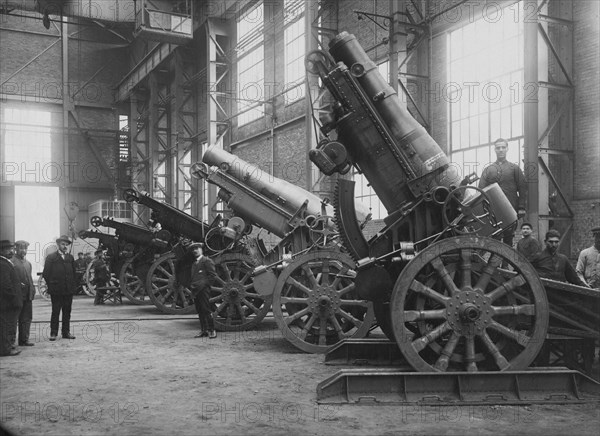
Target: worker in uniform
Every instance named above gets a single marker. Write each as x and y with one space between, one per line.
511 180
101 276
528 245
553 265
202 276
588 264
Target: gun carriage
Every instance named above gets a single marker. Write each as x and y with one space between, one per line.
107 242
305 274
439 281
138 247
168 278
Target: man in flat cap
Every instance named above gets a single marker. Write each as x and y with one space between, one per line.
59 274
10 299
23 269
203 274
588 264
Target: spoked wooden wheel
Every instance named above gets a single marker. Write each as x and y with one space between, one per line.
43 288
315 302
132 284
164 291
454 309
89 288
238 305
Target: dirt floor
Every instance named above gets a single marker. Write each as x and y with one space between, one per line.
134 371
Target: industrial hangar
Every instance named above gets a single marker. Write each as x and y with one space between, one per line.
301 216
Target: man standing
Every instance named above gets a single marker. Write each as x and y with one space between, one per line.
511 180
528 245
23 270
203 273
550 264
588 264
10 299
59 273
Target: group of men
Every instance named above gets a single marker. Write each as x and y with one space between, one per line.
548 261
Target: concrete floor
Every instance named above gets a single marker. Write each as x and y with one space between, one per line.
133 370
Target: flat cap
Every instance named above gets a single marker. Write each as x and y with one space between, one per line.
595 230
21 243
196 244
64 238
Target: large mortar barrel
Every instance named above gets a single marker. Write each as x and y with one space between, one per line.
285 194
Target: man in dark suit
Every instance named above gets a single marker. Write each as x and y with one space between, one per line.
203 274
59 273
23 270
10 299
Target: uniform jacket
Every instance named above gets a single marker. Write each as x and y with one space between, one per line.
23 270
10 287
511 180
588 266
556 267
203 273
60 274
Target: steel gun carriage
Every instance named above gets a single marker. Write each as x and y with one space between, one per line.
437 278
167 281
138 247
306 274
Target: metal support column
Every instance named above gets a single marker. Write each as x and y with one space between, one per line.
549 144
217 77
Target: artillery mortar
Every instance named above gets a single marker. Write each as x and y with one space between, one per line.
306 267
168 278
435 271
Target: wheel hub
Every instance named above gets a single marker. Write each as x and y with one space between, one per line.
468 312
324 298
233 290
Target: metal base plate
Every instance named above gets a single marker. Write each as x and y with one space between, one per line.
393 386
362 352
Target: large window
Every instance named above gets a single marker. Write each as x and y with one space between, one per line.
28 147
294 50
486 89
250 65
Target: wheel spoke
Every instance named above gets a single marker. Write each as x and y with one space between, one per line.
296 300
322 330
227 271
325 273
414 315
498 357
159 279
308 326
164 271
470 354
488 272
236 271
359 303
346 289
442 362
465 267
422 342
443 273
290 319
238 305
341 275
428 292
337 326
506 287
310 276
520 338
220 280
252 307
349 317
296 284
221 307
246 277
525 309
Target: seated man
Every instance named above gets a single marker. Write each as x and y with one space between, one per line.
528 245
101 276
550 264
